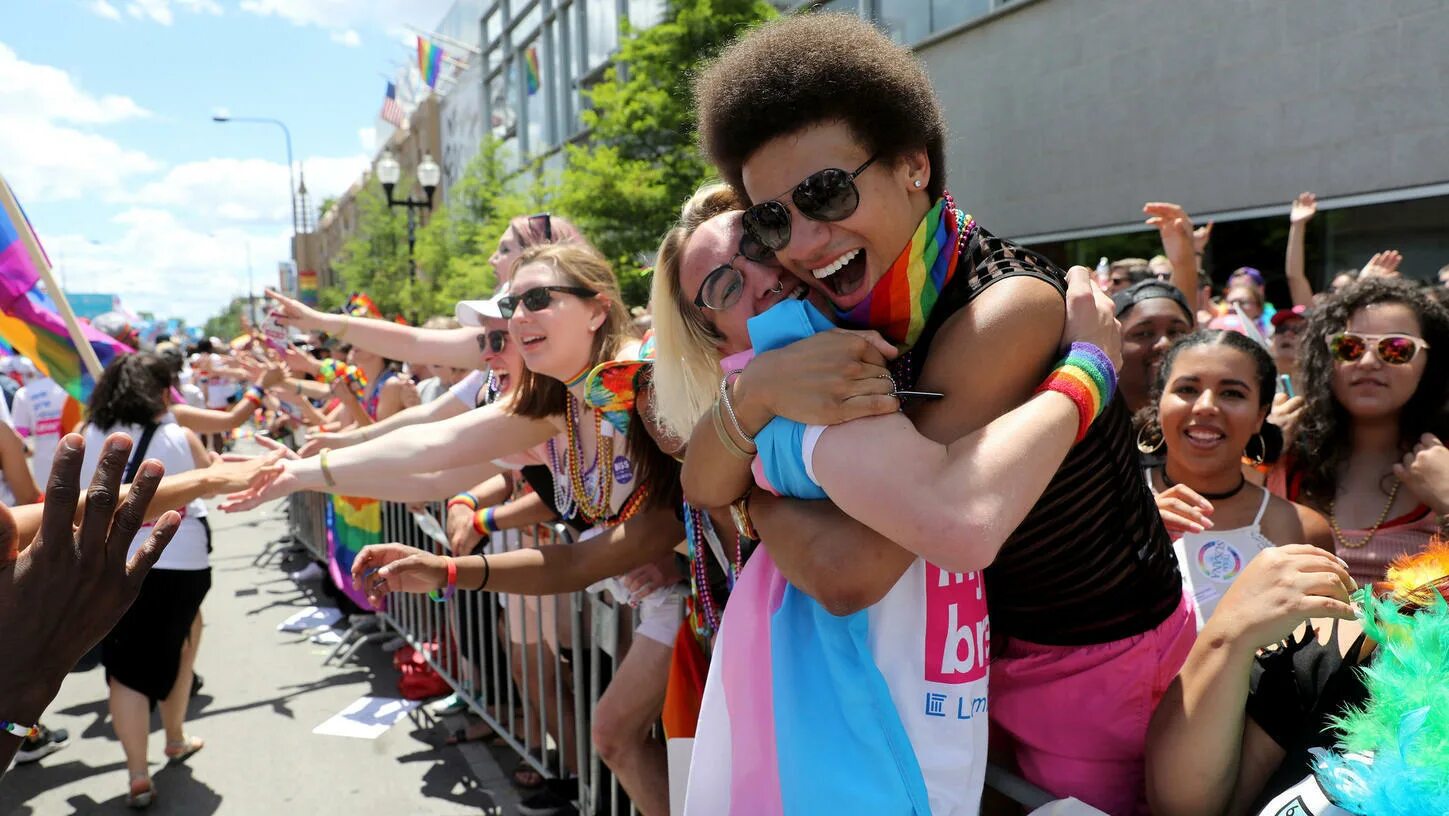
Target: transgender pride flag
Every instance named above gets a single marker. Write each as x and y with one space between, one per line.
30 323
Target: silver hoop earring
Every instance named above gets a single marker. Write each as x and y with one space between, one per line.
778 287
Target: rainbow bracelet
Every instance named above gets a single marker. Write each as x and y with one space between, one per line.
467 500
484 523
15 729
1086 377
452 586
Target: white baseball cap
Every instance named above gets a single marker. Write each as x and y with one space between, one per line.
472 312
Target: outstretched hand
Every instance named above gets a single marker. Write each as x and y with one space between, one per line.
1304 207
63 593
267 482
1091 316
383 568
290 312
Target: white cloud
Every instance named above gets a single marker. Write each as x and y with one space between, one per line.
46 159
160 10
367 137
164 265
229 192
347 14
349 38
101 8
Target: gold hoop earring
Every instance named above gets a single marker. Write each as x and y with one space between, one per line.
1144 447
1262 450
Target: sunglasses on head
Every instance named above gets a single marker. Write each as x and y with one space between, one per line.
547 221
826 195
1393 349
723 285
538 298
495 341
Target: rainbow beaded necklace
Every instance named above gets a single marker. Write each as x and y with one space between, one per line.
901 301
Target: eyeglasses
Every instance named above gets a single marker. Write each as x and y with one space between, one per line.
495 341
538 298
547 220
1393 349
826 195
723 285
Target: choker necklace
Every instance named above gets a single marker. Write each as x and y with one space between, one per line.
578 379
901 301
1226 494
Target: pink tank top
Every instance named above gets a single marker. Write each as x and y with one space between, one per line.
1407 534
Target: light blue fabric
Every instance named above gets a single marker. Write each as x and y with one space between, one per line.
841 745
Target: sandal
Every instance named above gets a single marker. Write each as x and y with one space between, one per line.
142 793
181 750
469 734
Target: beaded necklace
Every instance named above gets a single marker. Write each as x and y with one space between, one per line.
700 532
574 494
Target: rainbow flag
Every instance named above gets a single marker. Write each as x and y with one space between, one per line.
430 59
360 305
30 324
531 69
352 524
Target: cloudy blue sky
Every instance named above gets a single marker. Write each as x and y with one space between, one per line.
106 132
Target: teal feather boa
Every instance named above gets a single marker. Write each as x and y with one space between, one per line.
1393 757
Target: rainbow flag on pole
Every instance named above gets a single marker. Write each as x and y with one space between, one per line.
430 59
30 323
531 69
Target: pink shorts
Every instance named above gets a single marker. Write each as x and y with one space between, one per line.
1077 715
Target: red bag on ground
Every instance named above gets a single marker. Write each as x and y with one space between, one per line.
418 680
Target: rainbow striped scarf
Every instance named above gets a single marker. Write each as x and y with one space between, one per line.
902 299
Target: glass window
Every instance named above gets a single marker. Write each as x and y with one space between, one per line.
948 13
502 104
528 25
536 97
907 21
603 25
645 13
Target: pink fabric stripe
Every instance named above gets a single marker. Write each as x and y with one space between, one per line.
749 696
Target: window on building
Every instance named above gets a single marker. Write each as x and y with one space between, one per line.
645 13
603 31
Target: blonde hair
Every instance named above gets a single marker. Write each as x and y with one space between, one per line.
539 395
686 373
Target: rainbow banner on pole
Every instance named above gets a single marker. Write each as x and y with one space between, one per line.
531 69
30 324
352 524
430 59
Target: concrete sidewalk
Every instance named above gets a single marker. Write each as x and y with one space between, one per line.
265 691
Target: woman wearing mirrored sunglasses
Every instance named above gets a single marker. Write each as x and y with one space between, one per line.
1375 378
842 156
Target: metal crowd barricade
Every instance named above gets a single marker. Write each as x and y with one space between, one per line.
307 518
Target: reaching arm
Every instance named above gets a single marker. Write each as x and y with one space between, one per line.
16 468
1175 227
450 347
1299 214
548 570
444 407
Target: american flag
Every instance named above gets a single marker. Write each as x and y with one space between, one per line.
392 112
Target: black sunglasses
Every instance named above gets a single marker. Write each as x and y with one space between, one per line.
496 340
826 195
547 225
722 286
538 298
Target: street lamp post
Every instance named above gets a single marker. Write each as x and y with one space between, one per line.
429 174
291 179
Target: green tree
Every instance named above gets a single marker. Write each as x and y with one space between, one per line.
624 186
228 323
375 259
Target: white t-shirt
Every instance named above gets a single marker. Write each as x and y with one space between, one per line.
37 418
187 550
219 389
467 389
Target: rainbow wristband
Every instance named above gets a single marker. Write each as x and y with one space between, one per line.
1087 378
15 729
452 586
254 394
483 522
467 500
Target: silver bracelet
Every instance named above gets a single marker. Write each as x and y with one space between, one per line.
724 399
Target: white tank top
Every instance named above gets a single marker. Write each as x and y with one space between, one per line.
1213 559
187 550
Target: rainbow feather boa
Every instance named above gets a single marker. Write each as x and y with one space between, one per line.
1393 754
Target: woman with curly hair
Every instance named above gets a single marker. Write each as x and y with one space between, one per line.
1375 359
